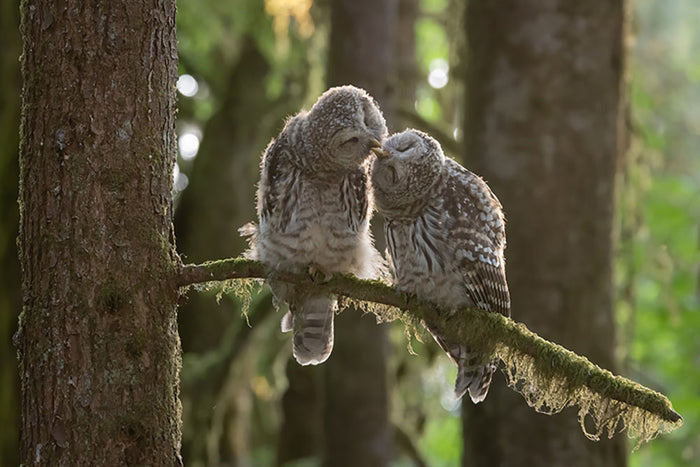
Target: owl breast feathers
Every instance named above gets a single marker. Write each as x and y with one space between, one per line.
314 206
445 232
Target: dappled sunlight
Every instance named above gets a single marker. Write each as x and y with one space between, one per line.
283 11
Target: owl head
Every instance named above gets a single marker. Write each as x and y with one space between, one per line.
406 168
343 126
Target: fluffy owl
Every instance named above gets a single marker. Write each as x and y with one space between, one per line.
314 206
445 232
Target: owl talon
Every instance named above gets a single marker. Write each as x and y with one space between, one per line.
318 275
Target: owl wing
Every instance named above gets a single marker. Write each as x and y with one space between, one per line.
279 186
354 199
477 229
486 285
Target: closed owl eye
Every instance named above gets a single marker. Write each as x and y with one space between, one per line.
405 146
353 140
392 174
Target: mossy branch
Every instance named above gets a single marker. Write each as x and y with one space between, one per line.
549 376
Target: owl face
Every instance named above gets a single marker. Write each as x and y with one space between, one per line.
406 168
347 124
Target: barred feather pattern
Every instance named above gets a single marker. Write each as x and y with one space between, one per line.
446 240
314 205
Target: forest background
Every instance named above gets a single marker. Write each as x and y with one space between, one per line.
247 65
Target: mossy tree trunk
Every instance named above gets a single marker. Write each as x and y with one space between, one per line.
98 344
10 296
544 128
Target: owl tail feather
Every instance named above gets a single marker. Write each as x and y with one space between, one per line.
472 375
312 323
287 322
475 379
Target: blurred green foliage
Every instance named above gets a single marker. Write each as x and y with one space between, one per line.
658 257
442 441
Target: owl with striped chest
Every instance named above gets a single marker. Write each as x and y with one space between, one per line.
314 206
445 232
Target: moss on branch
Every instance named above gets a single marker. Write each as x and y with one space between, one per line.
549 377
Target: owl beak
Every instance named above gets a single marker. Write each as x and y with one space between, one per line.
376 148
380 153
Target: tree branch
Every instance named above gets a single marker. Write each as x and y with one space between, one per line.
549 376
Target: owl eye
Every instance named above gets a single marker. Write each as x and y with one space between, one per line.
353 140
406 146
392 174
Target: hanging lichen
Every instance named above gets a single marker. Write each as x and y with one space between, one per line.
552 378
243 289
568 386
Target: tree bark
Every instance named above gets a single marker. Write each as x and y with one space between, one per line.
357 427
98 345
10 296
544 128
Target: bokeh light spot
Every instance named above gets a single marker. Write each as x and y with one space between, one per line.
439 69
187 85
188 143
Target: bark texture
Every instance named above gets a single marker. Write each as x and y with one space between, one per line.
98 344
357 427
543 127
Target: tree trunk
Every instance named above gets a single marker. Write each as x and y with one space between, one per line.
10 297
543 127
301 433
98 344
358 431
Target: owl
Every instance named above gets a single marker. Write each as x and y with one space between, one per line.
314 203
445 232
